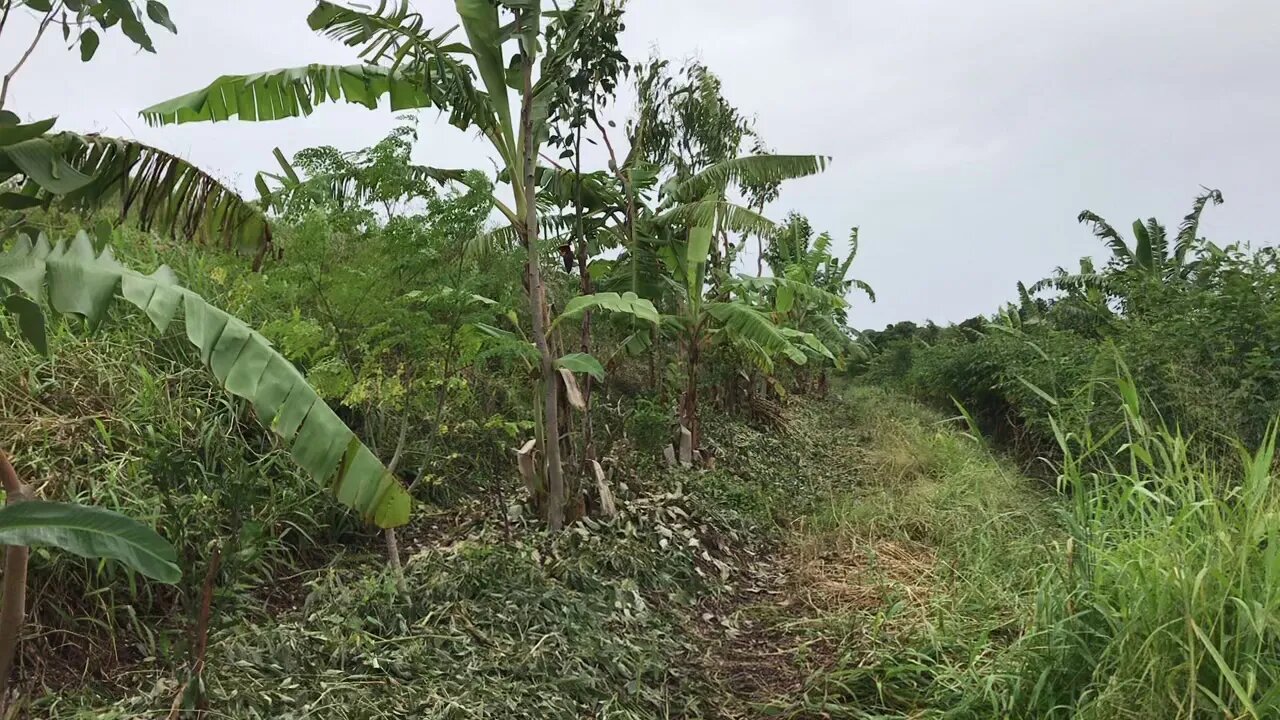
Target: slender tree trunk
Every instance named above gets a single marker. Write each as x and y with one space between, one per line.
653 359
442 392
538 309
584 283
393 543
44 25
13 604
690 401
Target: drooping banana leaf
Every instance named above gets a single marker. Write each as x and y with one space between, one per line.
810 341
74 281
740 319
25 151
582 363
627 304
90 532
788 290
292 92
753 169
718 212
160 190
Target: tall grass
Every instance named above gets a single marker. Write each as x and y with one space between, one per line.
1167 603
1148 588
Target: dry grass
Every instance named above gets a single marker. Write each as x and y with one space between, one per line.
837 575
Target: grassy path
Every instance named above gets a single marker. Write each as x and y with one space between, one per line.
895 594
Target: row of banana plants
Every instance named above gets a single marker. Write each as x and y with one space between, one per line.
656 235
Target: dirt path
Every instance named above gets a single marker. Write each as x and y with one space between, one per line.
803 612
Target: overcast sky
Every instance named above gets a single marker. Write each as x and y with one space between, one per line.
966 136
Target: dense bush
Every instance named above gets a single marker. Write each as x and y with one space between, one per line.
1202 340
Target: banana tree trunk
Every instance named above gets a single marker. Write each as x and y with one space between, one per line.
689 403
538 308
13 605
584 278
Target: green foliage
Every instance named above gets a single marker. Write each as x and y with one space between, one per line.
1197 332
292 92
626 303
89 532
1173 565
81 283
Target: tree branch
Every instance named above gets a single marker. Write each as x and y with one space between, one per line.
44 25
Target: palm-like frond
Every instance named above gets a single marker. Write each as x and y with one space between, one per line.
1190 227
160 190
79 283
863 287
714 211
1159 240
1103 231
380 35
1143 252
795 289
750 169
1078 282
741 320
291 92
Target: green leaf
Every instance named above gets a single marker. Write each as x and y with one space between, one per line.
103 231
786 300
161 191
42 164
13 134
582 363
159 15
1228 673
30 322
18 201
810 341
696 258
136 31
752 169
40 5
794 289
89 42
742 322
293 92
90 532
627 303
80 283
480 21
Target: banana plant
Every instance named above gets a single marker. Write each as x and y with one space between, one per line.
73 280
157 189
810 286
90 532
416 67
700 322
1150 260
